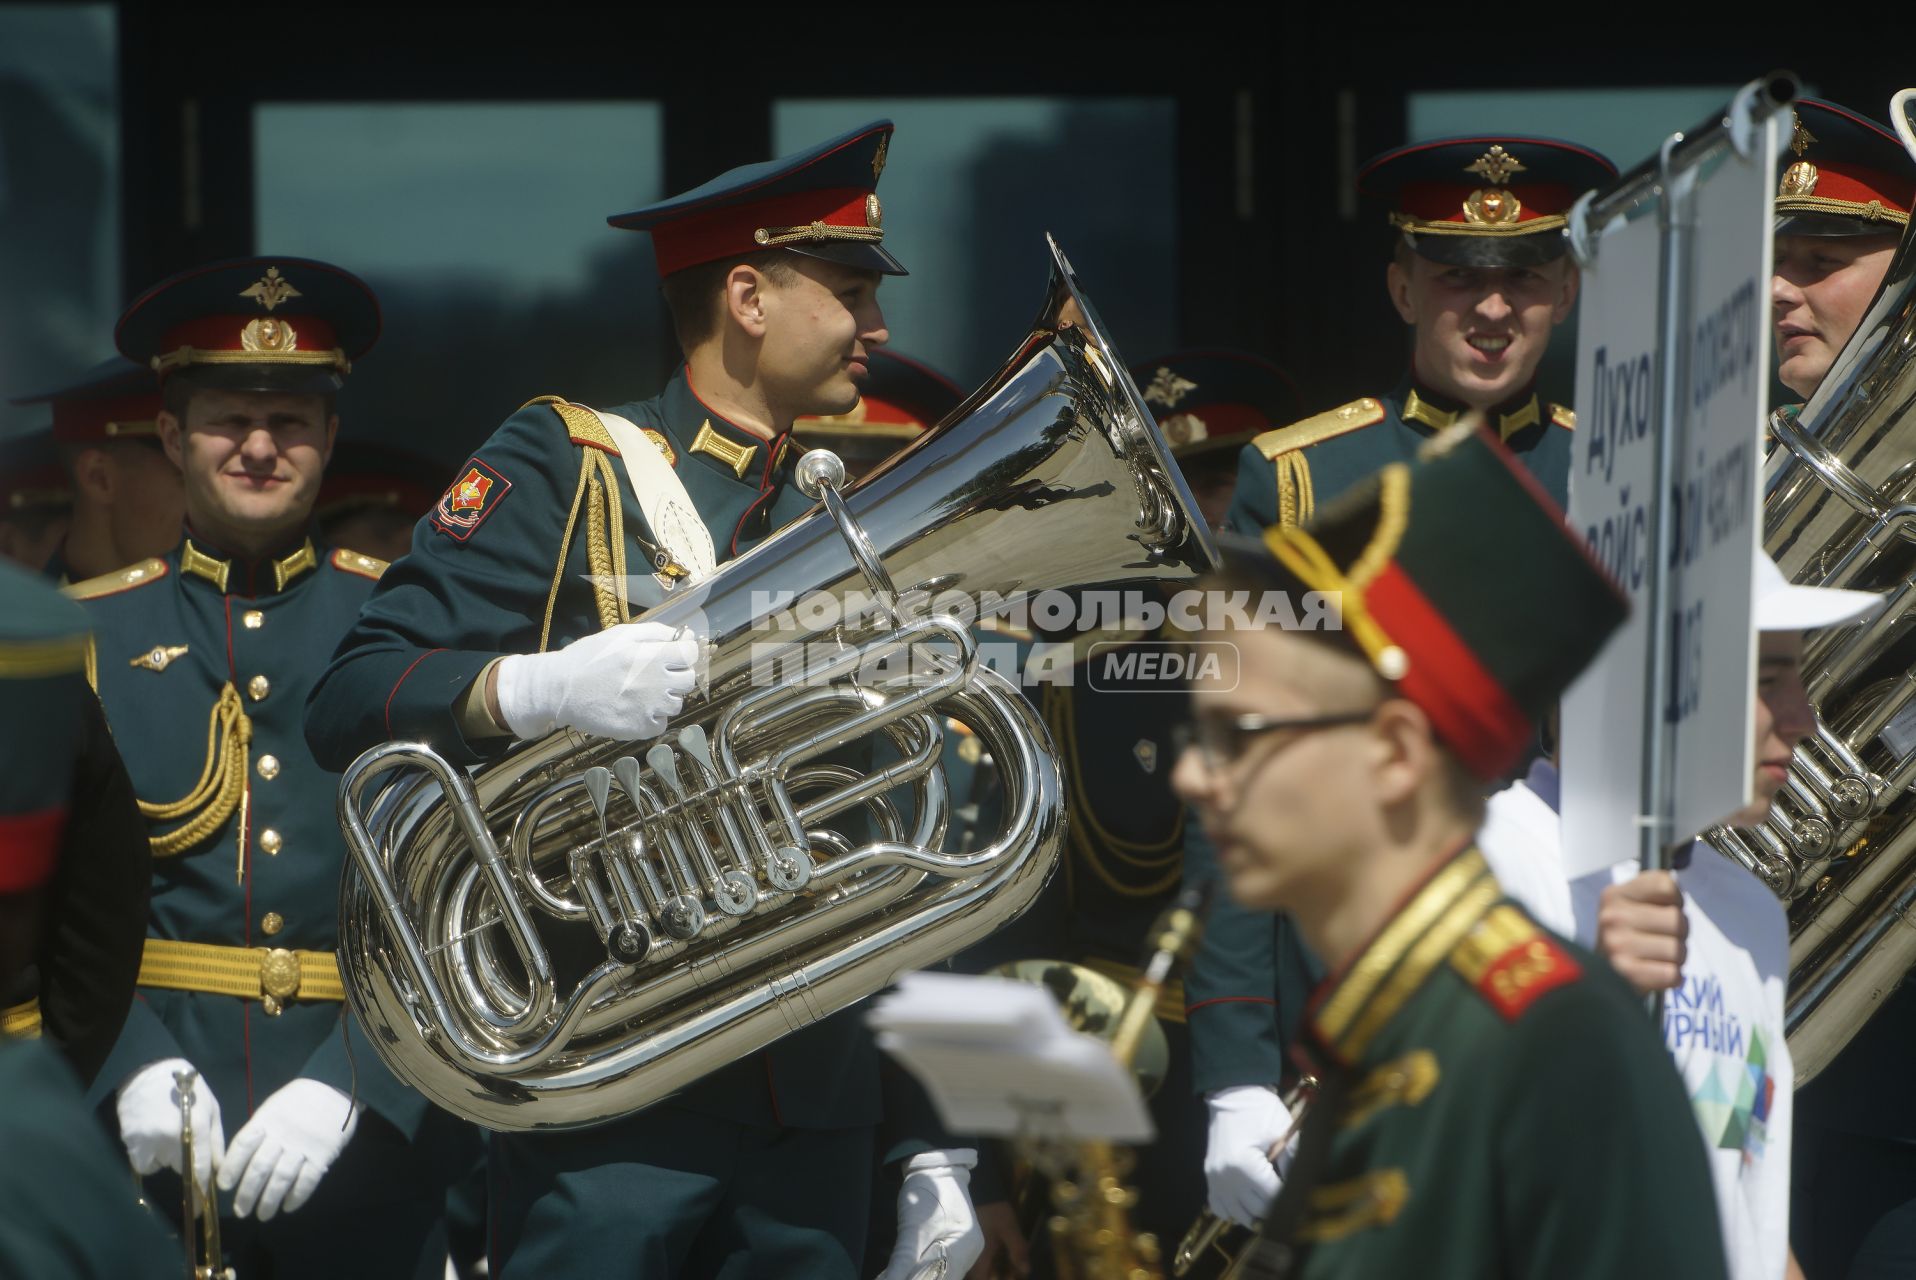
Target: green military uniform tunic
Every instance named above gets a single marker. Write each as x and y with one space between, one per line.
1287 474
1496 1105
506 564
203 663
1250 973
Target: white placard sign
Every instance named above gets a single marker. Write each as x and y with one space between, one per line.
1714 511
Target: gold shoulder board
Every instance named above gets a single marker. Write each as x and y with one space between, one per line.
1366 412
108 584
354 562
581 423
1565 418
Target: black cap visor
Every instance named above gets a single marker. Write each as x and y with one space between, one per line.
281 379
1531 249
864 255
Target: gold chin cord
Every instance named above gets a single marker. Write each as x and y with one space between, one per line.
1091 1233
195 1203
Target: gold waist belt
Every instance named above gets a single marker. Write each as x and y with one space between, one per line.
21 1020
270 975
1170 1000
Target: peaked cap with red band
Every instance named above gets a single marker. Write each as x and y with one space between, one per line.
254 324
1210 400
43 645
113 400
1489 201
1844 175
821 201
1458 579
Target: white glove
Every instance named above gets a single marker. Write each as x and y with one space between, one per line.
278 1157
938 1232
624 682
149 1107
1247 1124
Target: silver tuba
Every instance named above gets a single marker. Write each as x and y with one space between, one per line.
1840 845
574 931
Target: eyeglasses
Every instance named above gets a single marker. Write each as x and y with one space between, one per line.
1223 739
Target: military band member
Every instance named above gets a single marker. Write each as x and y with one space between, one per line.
64 1203
1842 204
1475 1066
127 499
202 659
36 500
498 627
1479 274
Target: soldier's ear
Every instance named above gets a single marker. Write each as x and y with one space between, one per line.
1406 754
93 474
1397 283
169 426
745 299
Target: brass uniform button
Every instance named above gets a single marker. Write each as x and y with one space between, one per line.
253 619
272 923
268 767
269 840
258 687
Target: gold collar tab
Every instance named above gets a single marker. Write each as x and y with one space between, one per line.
219 572
1417 409
733 454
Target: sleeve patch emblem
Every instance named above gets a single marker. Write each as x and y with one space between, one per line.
473 496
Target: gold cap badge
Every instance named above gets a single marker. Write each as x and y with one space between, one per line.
1167 388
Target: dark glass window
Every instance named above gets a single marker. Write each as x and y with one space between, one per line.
59 196
970 187
482 228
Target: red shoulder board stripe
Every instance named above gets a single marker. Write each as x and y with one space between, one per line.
1512 962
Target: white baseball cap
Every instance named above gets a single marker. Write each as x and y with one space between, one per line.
1777 604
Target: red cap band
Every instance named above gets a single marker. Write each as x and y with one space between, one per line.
1474 715
732 230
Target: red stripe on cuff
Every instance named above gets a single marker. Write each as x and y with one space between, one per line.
402 679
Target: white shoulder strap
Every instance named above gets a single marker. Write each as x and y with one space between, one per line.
668 509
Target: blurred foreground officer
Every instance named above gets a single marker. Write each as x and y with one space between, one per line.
496 627
1480 274
127 500
1476 1068
36 502
900 401
203 660
372 497
66 1208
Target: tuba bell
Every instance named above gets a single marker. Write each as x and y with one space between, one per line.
1839 847
574 931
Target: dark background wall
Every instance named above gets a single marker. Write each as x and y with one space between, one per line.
1269 112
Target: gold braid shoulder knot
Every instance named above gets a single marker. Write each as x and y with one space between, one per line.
222 785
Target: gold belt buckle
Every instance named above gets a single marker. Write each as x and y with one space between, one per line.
278 979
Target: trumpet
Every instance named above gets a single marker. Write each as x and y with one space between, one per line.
194 1203
1212 1237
